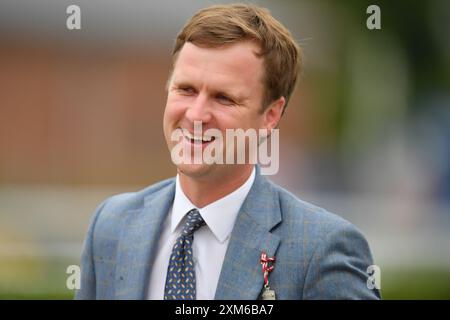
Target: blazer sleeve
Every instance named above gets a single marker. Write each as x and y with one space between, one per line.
338 267
87 289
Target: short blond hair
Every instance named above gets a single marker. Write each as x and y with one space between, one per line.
220 25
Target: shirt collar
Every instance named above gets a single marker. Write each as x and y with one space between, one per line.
219 215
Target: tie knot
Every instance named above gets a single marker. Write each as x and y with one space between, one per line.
194 221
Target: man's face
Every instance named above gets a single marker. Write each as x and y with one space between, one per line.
222 88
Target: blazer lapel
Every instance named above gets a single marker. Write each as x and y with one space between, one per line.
241 275
138 242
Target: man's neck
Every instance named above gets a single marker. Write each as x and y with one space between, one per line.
202 192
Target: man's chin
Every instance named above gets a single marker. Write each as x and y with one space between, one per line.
195 170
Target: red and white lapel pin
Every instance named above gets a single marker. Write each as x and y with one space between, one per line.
267 264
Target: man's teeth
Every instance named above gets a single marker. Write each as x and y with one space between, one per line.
197 138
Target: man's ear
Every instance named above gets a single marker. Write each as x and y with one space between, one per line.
273 113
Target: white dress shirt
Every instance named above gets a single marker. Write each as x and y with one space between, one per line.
210 242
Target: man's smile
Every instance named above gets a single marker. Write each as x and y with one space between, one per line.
197 139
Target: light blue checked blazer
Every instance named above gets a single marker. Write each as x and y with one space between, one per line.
318 254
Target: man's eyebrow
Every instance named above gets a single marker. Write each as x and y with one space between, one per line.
180 83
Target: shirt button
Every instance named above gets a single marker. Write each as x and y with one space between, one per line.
195 260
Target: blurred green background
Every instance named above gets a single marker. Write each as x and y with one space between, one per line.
366 134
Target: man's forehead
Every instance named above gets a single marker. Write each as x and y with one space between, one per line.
236 59
238 54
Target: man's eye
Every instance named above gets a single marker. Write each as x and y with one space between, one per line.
225 100
186 90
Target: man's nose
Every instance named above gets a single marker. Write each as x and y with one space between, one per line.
199 109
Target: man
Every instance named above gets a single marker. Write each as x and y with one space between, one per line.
210 232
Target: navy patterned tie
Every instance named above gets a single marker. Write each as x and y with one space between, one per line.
180 280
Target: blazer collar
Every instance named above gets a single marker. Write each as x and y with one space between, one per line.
241 275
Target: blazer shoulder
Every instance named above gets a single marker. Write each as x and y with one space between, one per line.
134 200
305 214
111 211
